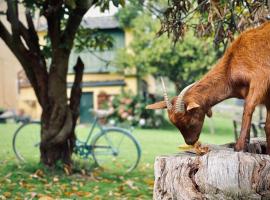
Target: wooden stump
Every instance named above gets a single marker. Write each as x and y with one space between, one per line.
219 174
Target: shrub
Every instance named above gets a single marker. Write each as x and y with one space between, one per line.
2 110
130 109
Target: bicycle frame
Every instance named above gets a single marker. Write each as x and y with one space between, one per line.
87 144
101 128
95 123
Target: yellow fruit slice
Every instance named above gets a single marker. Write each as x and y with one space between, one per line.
185 147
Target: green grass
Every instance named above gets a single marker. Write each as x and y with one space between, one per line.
26 180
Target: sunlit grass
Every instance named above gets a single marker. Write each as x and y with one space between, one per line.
18 180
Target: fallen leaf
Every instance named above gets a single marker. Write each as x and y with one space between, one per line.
83 172
8 175
97 198
8 180
131 185
7 194
87 194
45 198
33 194
121 188
22 183
68 169
110 193
55 179
39 173
74 188
63 187
117 194
149 182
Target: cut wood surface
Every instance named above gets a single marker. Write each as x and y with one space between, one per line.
219 174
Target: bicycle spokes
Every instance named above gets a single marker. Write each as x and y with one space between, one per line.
116 151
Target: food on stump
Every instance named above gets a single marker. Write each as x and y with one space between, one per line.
197 148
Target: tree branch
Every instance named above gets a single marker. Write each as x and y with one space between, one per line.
12 17
32 32
76 90
52 14
73 23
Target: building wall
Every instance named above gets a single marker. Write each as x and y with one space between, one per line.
29 104
9 67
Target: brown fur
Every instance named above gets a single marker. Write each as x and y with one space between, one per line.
243 72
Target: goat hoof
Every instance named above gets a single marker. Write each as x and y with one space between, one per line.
240 148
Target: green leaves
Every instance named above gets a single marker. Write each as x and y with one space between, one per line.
92 39
105 4
118 2
71 3
217 19
182 63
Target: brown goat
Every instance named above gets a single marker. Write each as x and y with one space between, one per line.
243 72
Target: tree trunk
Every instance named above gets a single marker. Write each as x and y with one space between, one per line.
59 120
59 117
219 174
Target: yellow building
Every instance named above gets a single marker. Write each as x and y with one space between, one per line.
100 77
9 67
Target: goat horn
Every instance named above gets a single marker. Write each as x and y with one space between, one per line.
166 99
180 104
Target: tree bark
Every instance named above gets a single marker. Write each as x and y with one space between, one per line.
57 132
219 174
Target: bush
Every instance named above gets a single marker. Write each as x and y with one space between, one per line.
130 109
2 110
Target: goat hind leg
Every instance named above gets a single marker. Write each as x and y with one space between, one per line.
267 130
251 101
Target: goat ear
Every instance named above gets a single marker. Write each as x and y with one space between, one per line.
209 113
192 105
157 105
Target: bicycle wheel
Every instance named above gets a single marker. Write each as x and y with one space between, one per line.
26 142
116 150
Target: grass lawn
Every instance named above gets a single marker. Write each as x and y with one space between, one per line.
32 180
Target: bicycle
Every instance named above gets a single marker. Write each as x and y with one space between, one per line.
112 148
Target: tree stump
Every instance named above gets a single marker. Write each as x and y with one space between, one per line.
219 174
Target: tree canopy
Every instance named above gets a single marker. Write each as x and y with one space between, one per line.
213 18
182 63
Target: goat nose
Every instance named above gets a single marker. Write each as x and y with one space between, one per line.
190 141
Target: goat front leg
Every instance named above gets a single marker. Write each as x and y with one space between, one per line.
267 129
250 104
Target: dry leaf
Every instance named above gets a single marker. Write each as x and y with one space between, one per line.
97 198
45 198
55 179
33 194
39 173
201 150
130 184
68 169
87 194
7 194
149 182
121 188
74 188
8 175
83 172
